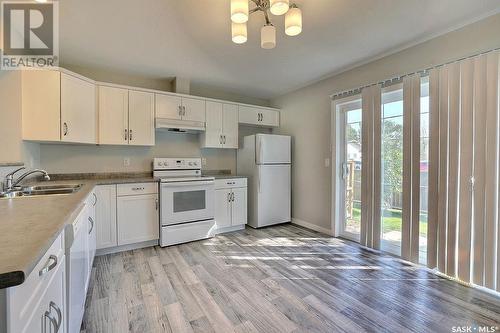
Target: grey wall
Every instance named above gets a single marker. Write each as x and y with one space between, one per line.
306 112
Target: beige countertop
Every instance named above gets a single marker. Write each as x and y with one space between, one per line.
29 225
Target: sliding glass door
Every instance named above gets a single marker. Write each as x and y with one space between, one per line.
350 123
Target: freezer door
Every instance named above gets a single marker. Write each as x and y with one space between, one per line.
272 149
274 194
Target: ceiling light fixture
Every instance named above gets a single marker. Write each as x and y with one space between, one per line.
240 13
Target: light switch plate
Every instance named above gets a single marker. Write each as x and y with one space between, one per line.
327 162
126 162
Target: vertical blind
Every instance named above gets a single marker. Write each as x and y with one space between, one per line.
464 194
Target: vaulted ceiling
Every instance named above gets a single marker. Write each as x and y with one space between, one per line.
192 38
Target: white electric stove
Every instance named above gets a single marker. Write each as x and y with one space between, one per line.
187 205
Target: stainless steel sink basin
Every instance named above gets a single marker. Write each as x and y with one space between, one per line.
52 187
42 190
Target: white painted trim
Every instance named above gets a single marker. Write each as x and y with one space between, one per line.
313 227
225 230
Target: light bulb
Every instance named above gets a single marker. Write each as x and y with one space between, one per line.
239 11
293 22
239 32
268 37
279 7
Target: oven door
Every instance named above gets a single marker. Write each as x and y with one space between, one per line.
190 201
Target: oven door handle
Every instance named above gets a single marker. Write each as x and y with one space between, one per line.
193 183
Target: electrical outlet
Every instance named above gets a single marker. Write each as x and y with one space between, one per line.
126 162
204 161
327 162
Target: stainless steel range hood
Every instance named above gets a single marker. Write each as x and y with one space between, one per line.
181 126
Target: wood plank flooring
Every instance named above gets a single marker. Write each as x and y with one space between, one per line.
278 279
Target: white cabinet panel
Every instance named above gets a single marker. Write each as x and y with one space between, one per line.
113 116
92 232
212 137
239 206
194 109
223 208
105 221
168 106
230 126
78 110
141 118
41 105
137 218
256 116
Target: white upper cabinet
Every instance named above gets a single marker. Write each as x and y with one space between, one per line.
141 118
180 108
221 126
113 116
168 107
57 106
193 109
126 117
78 110
41 105
252 115
230 125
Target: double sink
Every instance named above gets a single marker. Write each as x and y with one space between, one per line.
41 190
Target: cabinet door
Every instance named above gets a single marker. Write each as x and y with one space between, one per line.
212 138
137 218
141 125
105 220
168 106
230 126
78 110
113 116
194 109
223 208
41 105
249 115
269 118
239 206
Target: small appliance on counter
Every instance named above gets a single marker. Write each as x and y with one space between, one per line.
187 206
266 160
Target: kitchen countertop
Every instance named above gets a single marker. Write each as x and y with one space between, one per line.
227 176
29 225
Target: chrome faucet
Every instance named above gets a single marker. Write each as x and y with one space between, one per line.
10 184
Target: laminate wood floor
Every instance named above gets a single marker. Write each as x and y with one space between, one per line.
278 279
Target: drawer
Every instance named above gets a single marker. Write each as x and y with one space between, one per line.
22 300
230 183
136 189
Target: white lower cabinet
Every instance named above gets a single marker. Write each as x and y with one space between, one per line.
126 214
230 203
38 305
105 216
137 218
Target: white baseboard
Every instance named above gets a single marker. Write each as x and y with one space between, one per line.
123 248
312 226
229 229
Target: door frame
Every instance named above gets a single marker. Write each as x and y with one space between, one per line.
338 109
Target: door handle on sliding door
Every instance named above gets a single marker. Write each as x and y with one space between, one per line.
345 170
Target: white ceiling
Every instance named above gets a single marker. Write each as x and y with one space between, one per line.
191 38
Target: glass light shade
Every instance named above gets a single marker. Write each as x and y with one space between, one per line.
239 32
293 22
279 7
268 37
239 11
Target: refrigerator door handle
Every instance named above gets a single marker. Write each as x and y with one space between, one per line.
258 156
258 185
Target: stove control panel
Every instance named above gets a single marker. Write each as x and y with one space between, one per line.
176 163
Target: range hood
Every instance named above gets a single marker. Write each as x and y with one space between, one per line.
181 126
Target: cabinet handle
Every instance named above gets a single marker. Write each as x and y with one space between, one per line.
126 134
54 306
180 110
53 321
130 135
232 196
220 139
95 199
229 197
65 129
261 117
48 265
91 224
156 204
184 111
224 139
138 188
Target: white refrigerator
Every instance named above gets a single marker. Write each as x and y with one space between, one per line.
266 160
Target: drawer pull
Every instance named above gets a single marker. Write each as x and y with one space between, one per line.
49 266
138 188
53 321
91 220
54 306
